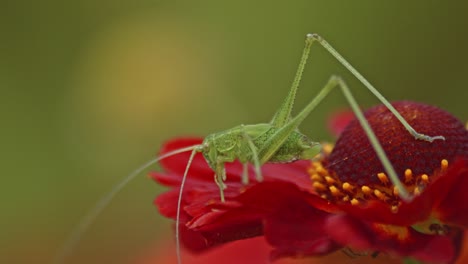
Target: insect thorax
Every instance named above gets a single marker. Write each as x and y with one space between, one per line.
232 144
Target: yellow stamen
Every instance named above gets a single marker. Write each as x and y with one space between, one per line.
380 195
346 198
444 164
425 178
327 148
366 190
316 164
417 191
383 177
316 178
354 201
408 175
395 191
319 186
329 180
321 170
347 187
334 191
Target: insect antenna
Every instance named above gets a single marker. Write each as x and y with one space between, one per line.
195 149
85 222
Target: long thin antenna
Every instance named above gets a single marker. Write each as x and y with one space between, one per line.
88 218
179 203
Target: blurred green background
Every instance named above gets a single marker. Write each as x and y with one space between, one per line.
90 90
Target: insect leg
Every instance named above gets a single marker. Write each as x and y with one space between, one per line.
274 142
283 115
245 173
220 177
372 89
255 159
372 138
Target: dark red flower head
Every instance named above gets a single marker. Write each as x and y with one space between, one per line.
343 199
353 172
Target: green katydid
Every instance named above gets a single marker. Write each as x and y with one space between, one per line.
257 144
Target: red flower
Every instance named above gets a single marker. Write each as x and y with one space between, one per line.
246 251
341 200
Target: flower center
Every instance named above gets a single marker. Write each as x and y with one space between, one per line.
353 173
330 187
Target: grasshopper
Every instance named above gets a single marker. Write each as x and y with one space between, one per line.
276 141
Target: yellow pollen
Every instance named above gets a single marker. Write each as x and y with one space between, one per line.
319 186
366 190
425 178
334 191
347 187
327 148
354 201
329 180
316 178
382 177
444 164
324 196
395 191
394 209
380 195
408 175
316 164
313 168
321 170
417 191
346 198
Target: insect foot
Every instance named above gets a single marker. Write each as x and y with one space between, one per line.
343 200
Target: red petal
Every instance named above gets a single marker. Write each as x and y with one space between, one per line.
167 205
176 164
272 208
199 241
338 120
291 224
453 208
398 240
247 251
418 210
297 229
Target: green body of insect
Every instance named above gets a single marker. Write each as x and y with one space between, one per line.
247 143
232 144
